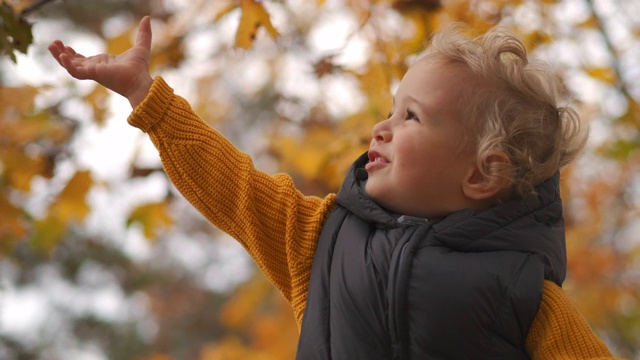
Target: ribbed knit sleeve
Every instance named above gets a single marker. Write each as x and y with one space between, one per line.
559 332
276 224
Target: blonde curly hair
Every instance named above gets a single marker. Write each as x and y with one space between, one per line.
511 106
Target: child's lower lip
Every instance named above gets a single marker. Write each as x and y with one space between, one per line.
372 165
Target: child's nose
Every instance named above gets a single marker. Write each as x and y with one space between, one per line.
382 131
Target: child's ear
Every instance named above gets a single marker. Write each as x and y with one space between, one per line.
480 187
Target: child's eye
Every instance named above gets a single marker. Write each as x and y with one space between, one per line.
412 116
390 114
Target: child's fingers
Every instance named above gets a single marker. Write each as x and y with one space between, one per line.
56 49
70 50
75 69
143 39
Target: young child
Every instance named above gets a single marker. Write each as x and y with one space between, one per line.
446 240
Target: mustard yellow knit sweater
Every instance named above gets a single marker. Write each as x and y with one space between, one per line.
279 226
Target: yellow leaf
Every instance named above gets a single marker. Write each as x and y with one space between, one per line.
376 83
171 55
223 8
98 99
19 129
591 22
71 205
122 42
242 307
605 74
153 217
425 22
254 15
19 169
16 100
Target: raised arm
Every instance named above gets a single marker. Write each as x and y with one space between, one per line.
127 74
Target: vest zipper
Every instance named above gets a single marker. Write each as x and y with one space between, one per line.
399 269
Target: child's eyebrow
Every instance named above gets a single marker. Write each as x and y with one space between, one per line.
422 106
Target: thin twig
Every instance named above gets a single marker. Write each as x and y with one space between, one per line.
614 53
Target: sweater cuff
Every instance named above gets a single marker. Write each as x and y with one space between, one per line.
154 107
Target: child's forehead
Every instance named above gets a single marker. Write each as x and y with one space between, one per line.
431 70
442 63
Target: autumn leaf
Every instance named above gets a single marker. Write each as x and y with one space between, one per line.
20 168
48 233
428 5
254 16
326 66
375 82
306 160
153 217
121 43
16 100
239 312
621 149
98 99
12 221
71 205
224 7
169 55
15 32
604 74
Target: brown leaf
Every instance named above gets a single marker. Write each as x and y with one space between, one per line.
325 66
428 5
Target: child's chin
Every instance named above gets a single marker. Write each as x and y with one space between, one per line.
372 191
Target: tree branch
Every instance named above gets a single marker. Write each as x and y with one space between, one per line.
33 7
612 50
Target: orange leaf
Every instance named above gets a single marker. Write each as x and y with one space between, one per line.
254 15
12 221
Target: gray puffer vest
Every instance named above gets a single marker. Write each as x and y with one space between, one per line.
468 286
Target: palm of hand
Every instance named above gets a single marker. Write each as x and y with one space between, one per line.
118 73
127 73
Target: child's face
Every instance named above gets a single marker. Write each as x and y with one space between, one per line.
417 166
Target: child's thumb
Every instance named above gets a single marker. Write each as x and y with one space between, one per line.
143 39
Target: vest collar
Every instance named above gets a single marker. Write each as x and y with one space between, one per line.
534 225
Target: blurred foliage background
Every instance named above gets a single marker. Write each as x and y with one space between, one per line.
100 257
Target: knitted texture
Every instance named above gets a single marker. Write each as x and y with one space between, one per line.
276 224
559 331
279 227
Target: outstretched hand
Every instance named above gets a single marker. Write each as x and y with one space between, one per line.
127 73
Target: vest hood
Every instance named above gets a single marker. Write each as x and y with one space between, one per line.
532 225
